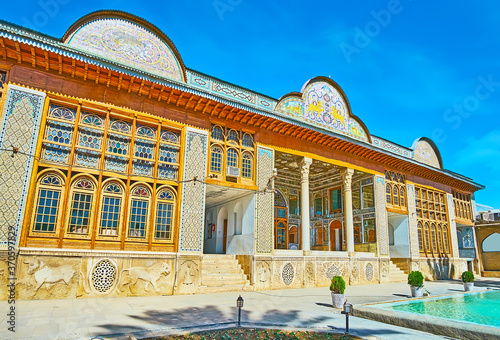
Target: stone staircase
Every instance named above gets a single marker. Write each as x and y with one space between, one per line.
396 274
222 273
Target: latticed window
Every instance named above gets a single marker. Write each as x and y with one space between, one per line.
139 212
165 214
232 158
80 212
431 212
463 206
395 190
226 148
247 141
217 133
216 159
118 146
232 137
247 166
89 143
420 237
111 209
47 203
168 162
58 136
144 151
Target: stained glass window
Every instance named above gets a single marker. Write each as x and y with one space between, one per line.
47 206
247 165
232 137
120 126
164 214
247 140
139 211
216 159
232 158
145 131
217 133
111 205
64 113
81 207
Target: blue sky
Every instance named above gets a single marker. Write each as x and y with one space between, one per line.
408 68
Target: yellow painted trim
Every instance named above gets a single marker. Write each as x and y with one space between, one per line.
427 187
321 158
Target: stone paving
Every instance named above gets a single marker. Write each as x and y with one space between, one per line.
117 318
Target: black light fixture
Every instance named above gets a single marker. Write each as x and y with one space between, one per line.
239 304
347 310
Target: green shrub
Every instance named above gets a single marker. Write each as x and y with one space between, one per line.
467 276
416 279
337 285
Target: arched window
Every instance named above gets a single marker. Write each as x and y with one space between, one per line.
445 239
247 165
247 141
80 206
111 209
440 239
233 138
433 236
216 159
402 199
395 194
420 237
388 193
47 203
232 158
217 133
139 212
165 214
427 238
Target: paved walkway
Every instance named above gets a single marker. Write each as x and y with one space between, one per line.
116 318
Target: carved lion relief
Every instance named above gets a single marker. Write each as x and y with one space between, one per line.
150 275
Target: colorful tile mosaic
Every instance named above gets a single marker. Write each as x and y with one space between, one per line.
19 128
388 146
423 152
323 106
264 213
381 213
193 194
126 43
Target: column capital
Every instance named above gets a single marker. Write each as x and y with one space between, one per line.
347 176
304 165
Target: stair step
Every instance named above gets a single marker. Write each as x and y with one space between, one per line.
224 283
226 288
212 278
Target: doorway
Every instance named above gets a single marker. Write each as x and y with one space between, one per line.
224 237
335 236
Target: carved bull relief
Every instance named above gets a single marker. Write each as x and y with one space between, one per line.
48 276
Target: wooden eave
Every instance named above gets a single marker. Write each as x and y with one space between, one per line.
36 57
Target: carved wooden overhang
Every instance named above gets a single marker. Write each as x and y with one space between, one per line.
65 63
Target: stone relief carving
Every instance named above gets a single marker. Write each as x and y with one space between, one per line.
385 269
288 274
187 277
103 276
48 275
263 272
354 272
310 273
150 275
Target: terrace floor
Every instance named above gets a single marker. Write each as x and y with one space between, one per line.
308 308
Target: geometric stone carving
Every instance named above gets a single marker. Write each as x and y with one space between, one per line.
287 274
150 275
103 276
369 272
18 128
48 275
333 271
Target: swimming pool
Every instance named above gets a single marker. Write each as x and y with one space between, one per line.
473 315
478 307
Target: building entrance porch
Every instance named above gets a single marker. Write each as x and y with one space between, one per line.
229 220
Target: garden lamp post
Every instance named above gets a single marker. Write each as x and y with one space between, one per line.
347 310
239 304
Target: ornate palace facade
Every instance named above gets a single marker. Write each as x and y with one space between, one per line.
125 173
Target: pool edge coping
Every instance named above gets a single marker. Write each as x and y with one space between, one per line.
435 325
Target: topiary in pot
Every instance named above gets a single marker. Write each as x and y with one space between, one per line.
337 287
468 280
416 282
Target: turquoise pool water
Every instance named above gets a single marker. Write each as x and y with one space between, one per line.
478 307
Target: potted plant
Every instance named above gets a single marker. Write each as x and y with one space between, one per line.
416 282
468 280
337 287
